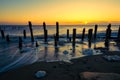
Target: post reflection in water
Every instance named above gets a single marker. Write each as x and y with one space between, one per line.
56 52
73 51
46 51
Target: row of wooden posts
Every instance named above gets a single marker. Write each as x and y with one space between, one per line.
56 36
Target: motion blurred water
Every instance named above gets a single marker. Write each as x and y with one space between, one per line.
12 57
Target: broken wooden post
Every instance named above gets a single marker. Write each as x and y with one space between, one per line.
57 31
7 38
20 43
74 37
55 41
31 31
2 34
45 37
83 34
118 36
67 34
24 33
90 37
95 32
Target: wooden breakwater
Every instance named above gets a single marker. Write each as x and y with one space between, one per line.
92 35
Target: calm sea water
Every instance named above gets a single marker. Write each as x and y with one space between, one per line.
17 30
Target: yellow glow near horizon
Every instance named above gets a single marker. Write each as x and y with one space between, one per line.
64 11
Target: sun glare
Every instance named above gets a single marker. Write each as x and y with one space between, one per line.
86 22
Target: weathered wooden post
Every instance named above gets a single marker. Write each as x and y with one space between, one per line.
67 34
57 31
7 38
55 41
95 32
44 26
108 35
24 33
20 43
31 31
74 37
118 36
46 33
83 34
90 37
2 34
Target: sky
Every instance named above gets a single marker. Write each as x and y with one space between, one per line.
63 11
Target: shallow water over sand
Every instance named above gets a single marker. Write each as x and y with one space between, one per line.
12 57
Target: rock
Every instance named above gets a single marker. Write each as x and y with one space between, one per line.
99 76
65 52
88 52
40 74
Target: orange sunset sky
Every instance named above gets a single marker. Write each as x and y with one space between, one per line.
64 11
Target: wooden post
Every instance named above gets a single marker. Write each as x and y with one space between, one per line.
118 36
7 38
74 37
108 35
45 37
83 34
45 32
2 34
55 41
24 33
95 32
57 31
31 31
67 34
90 37
44 26
20 43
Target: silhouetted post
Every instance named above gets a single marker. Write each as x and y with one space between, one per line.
31 31
55 41
45 37
45 32
74 37
83 34
24 33
118 36
36 44
7 38
90 37
20 43
67 34
108 35
95 32
44 26
57 31
2 34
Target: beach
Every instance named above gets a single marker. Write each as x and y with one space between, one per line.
66 71
56 57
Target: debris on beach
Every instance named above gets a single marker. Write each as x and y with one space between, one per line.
40 74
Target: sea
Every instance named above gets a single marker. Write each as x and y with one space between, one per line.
11 56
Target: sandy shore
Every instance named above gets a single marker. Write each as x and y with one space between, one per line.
63 70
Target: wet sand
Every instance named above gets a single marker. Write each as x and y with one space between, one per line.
63 70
